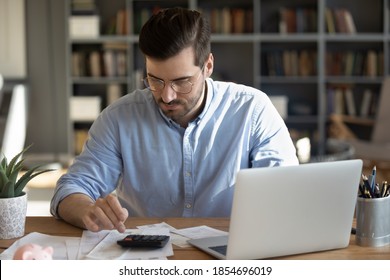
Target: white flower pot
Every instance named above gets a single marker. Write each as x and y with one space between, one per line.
13 216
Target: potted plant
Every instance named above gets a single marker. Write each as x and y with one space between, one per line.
13 199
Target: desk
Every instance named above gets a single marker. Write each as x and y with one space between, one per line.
49 225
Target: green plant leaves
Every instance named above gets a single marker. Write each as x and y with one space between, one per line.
22 182
10 186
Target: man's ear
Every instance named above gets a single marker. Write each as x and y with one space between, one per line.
209 65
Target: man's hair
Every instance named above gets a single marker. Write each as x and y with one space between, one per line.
171 30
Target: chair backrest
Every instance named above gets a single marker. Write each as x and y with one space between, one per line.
381 131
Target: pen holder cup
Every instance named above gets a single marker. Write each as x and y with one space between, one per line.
373 221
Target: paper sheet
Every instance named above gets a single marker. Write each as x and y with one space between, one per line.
199 232
57 242
162 225
109 249
102 245
180 237
88 241
178 240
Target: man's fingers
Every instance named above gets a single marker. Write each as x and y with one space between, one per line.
120 212
112 211
92 222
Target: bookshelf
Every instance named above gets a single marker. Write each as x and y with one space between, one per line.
310 53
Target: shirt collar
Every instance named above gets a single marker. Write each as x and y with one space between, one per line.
209 96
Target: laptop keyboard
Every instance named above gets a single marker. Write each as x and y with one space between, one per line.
220 249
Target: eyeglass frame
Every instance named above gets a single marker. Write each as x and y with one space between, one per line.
172 83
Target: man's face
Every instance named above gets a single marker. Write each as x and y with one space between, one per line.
180 69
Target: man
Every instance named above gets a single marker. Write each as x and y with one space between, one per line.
174 148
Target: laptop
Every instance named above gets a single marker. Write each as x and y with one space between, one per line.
289 210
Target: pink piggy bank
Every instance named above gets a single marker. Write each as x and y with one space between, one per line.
33 252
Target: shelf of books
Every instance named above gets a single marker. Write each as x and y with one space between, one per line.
313 58
356 49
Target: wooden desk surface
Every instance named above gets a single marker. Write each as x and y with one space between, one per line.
49 225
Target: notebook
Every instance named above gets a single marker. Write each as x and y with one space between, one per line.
289 210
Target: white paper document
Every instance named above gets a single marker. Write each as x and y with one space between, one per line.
178 240
88 241
109 249
179 237
200 232
103 244
59 244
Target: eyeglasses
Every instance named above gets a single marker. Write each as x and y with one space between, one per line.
180 86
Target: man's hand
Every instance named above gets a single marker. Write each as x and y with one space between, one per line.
106 213
82 211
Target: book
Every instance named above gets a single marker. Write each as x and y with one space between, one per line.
122 22
366 103
338 101
78 64
287 63
350 102
238 20
339 21
271 64
113 93
358 64
94 64
109 63
349 63
229 20
84 26
288 20
121 59
349 22
300 20
226 21
305 64
330 24
372 63
84 108
294 63
381 63
80 137
341 26
249 21
83 7
281 104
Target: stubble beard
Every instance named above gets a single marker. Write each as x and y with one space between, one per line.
187 107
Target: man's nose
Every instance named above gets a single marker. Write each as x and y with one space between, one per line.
168 94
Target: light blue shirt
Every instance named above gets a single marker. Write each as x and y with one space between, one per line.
160 169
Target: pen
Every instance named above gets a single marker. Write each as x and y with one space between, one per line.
367 193
384 188
371 179
387 193
367 186
362 190
377 191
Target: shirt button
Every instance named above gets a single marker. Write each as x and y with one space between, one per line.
188 174
188 205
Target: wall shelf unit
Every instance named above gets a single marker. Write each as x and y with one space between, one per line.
316 53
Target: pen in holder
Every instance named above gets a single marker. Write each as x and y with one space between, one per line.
373 221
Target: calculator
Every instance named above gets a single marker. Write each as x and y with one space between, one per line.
143 240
